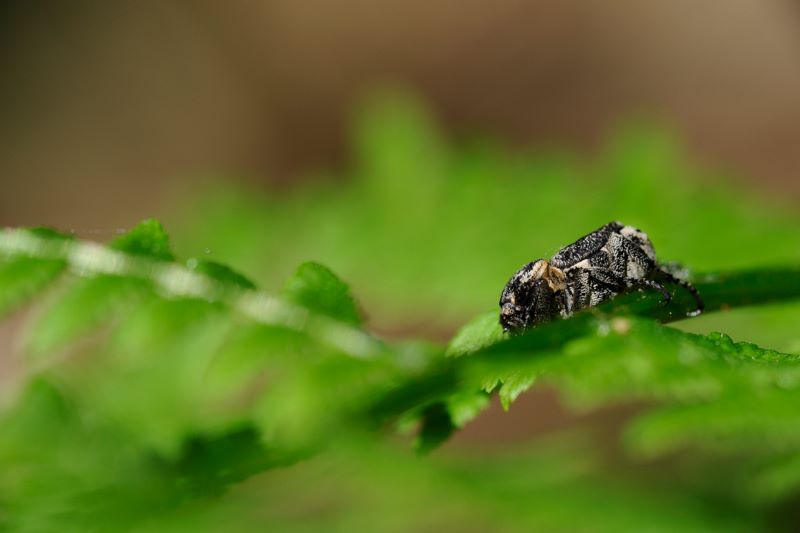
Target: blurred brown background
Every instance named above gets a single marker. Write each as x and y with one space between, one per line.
109 109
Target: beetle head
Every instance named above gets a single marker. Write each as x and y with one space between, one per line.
529 297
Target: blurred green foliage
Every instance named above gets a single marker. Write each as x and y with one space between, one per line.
158 396
431 231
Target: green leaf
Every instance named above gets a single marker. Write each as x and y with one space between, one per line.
466 406
480 332
80 308
436 427
148 239
167 349
775 480
220 272
513 385
50 233
761 423
23 278
316 287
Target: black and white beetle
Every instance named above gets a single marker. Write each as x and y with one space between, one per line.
589 271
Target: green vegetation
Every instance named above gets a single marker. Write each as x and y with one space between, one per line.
160 395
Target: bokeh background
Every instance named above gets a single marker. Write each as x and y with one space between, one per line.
422 150
111 110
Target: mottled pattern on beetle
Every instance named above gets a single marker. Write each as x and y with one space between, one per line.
535 293
589 271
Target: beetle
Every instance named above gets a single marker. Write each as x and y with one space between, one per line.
598 266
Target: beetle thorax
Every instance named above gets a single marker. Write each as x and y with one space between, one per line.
542 269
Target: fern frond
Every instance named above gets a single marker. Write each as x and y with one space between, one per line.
34 253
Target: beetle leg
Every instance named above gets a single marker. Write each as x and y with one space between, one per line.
603 283
700 305
666 296
614 280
